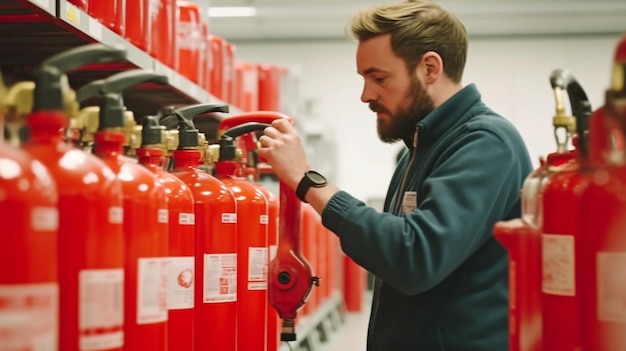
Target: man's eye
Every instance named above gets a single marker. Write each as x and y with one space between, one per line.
379 79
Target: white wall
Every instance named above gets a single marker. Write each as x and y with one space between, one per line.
512 75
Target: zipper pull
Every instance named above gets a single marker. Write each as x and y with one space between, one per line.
415 137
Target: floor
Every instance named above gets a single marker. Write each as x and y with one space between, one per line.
353 333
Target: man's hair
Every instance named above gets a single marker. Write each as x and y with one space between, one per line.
416 27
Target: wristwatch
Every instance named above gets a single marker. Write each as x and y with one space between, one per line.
311 179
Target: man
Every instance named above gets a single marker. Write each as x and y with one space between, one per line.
441 277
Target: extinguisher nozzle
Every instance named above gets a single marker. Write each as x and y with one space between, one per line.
288 330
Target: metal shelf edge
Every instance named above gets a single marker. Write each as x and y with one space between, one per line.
47 5
91 27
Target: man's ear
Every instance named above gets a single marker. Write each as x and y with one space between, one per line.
433 67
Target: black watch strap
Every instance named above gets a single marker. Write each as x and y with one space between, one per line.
311 179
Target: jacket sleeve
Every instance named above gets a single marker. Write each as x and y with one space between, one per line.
475 183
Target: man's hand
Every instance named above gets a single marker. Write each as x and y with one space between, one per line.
282 147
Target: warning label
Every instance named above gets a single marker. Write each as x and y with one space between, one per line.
101 308
220 278
558 265
611 286
152 289
29 317
257 268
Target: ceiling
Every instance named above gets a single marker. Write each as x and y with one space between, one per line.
326 19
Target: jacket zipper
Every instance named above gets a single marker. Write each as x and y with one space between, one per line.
395 209
398 203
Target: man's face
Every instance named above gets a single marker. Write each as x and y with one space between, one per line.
396 95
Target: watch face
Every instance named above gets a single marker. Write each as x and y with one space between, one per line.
316 178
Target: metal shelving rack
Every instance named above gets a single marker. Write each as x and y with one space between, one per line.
33 30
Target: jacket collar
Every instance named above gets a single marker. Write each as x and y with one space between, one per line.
443 118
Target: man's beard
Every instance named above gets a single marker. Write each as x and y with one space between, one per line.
402 125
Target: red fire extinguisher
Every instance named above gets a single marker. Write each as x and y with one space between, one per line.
180 297
216 238
137 27
248 144
90 213
217 85
522 237
252 248
246 96
189 40
162 23
269 87
272 244
28 251
109 13
561 204
290 277
601 250
145 217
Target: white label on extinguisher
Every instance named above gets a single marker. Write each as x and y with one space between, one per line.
153 8
163 216
220 278
101 309
29 317
273 251
186 219
264 219
44 219
116 215
257 268
181 283
558 265
152 279
229 218
611 286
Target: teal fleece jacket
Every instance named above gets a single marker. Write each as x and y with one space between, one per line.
441 277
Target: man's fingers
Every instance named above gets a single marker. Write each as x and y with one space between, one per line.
283 125
271 132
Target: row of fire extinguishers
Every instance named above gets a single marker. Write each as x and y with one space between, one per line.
567 252
120 236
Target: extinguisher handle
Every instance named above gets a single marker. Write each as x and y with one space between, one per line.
565 80
227 151
191 111
119 82
89 90
579 102
82 55
48 93
245 128
247 117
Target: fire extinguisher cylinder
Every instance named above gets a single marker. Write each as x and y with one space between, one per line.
180 240
146 220
83 239
215 237
290 277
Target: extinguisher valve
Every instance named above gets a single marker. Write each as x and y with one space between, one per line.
288 330
316 281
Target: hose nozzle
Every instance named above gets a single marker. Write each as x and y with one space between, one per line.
288 330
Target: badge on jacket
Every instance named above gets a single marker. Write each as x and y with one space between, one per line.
409 201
